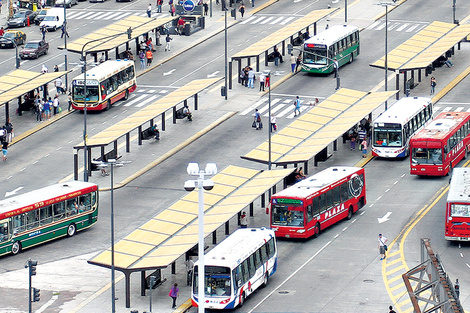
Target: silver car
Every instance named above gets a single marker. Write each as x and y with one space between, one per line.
68 3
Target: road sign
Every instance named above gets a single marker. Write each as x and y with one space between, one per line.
189 5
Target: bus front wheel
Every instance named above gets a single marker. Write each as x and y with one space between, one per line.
126 95
108 105
242 300
71 230
16 248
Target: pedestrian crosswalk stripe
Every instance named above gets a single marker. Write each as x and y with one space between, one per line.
148 100
381 27
287 20
447 109
259 20
277 108
112 15
253 107
373 25
77 16
435 109
266 107
93 15
131 102
412 28
459 109
121 16
402 27
86 14
106 14
267 20
276 20
248 20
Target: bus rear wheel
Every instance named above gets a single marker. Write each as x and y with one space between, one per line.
16 248
108 105
71 230
351 58
265 279
350 213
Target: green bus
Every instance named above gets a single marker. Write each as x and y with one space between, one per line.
340 42
46 214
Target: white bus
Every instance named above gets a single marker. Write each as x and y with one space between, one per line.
393 129
340 42
106 83
236 267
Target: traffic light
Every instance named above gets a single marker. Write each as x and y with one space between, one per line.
129 33
36 295
32 267
290 47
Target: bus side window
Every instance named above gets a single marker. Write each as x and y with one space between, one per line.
245 277
322 199
329 199
85 203
257 260
237 276
19 223
315 206
271 248
59 211
337 195
4 232
251 266
32 219
344 192
264 253
45 215
130 72
309 213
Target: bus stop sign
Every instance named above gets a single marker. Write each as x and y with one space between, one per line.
189 5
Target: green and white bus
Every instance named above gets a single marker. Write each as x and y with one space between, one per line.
340 42
46 214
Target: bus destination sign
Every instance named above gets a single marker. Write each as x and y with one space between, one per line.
287 201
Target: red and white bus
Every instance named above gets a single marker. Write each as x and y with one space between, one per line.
317 202
441 145
458 206
106 84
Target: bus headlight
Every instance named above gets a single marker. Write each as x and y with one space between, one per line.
450 218
301 231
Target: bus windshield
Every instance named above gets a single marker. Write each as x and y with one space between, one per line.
426 156
92 93
217 282
388 136
316 55
460 210
284 215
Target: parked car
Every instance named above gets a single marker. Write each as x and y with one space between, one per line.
34 49
17 36
68 3
41 15
19 19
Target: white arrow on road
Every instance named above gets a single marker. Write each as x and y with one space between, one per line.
13 192
385 218
213 74
169 72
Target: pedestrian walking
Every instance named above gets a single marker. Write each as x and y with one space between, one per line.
252 3
47 108
159 6
364 147
262 79
38 108
55 104
168 39
391 310
64 31
242 76
174 292
257 120
433 84
69 99
457 288
382 246
157 37
149 56
242 9
5 150
149 10
206 8
273 122
56 68
297 106
44 69
43 32
172 10
142 59
293 62
251 78
336 67
8 131
352 140
277 56
243 220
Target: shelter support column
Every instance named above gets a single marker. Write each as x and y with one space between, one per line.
257 63
128 142
117 53
137 46
174 115
214 238
249 61
127 276
102 153
163 121
397 84
173 268
251 209
116 148
283 47
306 167
335 145
266 58
239 70
7 111
230 75
263 200
139 129
227 228
239 215
195 101
142 283
75 164
405 78
419 75
89 161
314 28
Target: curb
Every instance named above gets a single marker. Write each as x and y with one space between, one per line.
171 152
392 7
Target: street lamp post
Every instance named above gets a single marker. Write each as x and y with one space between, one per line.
201 183
226 70
112 162
453 12
269 121
65 46
345 11
386 4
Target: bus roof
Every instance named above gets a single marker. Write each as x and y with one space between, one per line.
443 125
237 247
332 34
459 190
316 182
402 110
105 69
36 198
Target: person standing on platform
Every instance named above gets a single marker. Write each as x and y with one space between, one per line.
382 246
149 10
457 288
149 56
174 292
262 79
293 62
433 84
243 220
168 39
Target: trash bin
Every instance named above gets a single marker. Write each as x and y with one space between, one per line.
222 91
187 29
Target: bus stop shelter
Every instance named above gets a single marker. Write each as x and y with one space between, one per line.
138 119
172 233
289 32
423 51
102 40
20 82
310 134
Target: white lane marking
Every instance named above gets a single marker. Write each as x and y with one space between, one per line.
135 100
291 275
267 20
287 20
371 26
402 27
47 304
258 20
254 106
248 20
276 20
149 99
121 16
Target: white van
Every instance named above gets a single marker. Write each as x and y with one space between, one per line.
54 19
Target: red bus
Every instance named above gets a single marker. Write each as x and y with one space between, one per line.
458 206
441 145
317 202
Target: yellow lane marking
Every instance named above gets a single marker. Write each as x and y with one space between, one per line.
398 286
396 269
393 262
